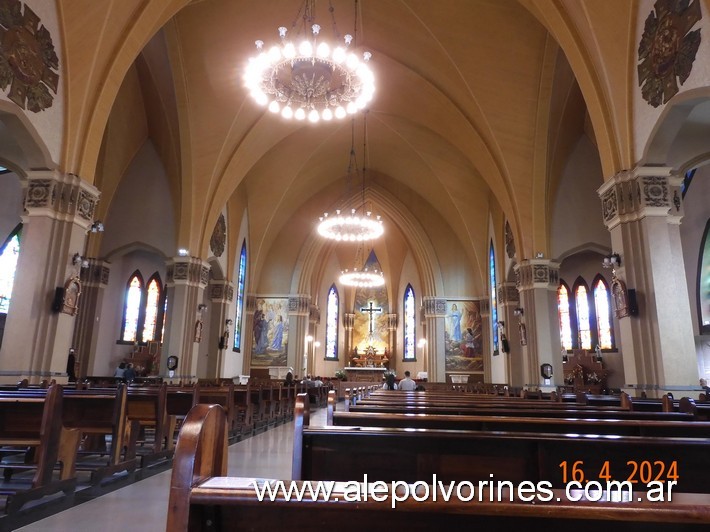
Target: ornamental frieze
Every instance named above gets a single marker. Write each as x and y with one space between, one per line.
655 191
299 304
434 306
609 205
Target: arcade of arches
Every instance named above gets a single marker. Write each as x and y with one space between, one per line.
510 147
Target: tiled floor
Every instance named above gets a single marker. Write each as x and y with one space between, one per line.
143 506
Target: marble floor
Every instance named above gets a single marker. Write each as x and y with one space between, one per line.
143 506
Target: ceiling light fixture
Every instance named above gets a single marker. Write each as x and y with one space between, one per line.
312 79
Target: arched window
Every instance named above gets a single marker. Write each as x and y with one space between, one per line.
704 282
152 308
494 302
564 316
143 309
8 264
240 298
410 324
584 329
602 307
331 324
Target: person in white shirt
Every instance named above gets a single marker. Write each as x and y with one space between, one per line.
407 384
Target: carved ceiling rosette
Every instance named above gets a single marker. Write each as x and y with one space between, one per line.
509 241
28 62
667 48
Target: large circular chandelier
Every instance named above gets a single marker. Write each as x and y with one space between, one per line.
350 228
312 80
364 278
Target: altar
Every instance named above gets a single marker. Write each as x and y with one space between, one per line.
364 374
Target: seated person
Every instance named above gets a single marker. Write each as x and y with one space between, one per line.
390 384
407 384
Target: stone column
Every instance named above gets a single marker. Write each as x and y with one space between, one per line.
486 338
59 210
221 293
313 322
94 280
187 279
537 281
392 342
248 333
502 366
434 316
642 210
298 316
348 325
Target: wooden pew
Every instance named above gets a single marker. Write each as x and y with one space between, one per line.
31 426
148 406
202 498
97 414
344 453
221 395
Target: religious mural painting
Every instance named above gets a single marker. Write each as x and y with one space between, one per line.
270 329
463 337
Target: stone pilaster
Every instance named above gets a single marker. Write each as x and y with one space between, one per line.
59 208
348 326
435 326
642 210
537 281
187 280
94 280
221 340
300 352
392 322
502 366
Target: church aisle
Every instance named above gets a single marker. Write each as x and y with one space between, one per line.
143 506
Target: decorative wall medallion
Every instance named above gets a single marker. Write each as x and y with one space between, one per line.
509 241
39 193
216 291
219 236
85 205
667 48
540 274
27 58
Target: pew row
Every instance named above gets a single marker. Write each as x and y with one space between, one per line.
203 498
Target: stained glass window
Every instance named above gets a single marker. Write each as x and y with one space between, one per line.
165 311
8 265
603 310
152 305
410 328
564 317
132 308
494 303
240 297
331 324
583 329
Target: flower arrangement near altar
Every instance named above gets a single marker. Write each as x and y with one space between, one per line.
341 375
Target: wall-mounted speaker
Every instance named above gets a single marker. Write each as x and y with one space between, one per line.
58 299
633 302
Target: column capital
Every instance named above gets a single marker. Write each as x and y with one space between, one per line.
485 308
632 195
314 314
434 306
188 271
537 273
97 274
221 291
349 320
299 304
392 320
60 196
508 294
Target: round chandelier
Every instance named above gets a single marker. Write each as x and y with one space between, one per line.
351 228
310 80
362 278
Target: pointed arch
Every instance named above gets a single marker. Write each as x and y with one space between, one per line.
410 325
9 253
132 306
583 308
331 323
602 313
241 278
564 296
494 299
153 300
